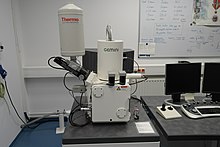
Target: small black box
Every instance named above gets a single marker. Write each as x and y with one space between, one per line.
89 60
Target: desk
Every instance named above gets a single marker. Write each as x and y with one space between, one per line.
111 134
183 131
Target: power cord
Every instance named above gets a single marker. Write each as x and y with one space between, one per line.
73 115
9 96
3 73
77 109
133 61
136 87
136 83
64 81
2 95
48 62
137 99
37 119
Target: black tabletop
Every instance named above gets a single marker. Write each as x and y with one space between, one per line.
182 128
110 132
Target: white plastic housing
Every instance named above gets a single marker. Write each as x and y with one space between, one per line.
110 58
110 103
71 30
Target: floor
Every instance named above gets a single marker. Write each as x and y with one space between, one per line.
43 135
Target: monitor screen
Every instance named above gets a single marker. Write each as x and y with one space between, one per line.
182 78
211 78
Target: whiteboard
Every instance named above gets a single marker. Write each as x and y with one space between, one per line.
166 30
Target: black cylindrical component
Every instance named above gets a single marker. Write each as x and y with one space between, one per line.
111 78
122 77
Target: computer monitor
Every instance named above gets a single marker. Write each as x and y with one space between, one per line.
211 80
182 78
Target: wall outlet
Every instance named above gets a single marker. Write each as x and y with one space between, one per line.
140 70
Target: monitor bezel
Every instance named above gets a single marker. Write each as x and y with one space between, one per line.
215 95
176 95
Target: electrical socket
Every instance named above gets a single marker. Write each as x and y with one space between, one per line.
140 70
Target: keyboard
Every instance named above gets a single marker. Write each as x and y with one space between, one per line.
200 109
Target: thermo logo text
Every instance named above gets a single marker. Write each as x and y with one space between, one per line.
70 19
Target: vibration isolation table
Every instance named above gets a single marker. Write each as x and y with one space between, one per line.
112 134
184 131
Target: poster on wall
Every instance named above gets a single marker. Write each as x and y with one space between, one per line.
206 12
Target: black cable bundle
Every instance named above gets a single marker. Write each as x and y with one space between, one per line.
78 117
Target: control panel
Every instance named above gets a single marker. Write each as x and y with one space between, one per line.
168 112
201 109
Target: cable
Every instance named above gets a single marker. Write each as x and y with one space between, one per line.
80 103
73 96
137 99
70 90
64 81
136 83
24 123
166 101
139 81
37 119
133 60
136 87
73 112
6 87
7 106
34 126
3 97
48 62
207 99
77 108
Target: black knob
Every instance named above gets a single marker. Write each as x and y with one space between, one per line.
163 107
170 108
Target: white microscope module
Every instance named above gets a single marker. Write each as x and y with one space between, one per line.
108 97
110 103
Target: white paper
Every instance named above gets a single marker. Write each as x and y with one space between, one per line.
147 48
144 127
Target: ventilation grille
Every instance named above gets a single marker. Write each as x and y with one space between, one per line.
154 87
151 87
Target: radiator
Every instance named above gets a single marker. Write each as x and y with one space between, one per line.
153 87
150 87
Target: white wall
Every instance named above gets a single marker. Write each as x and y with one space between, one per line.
9 123
37 28
39 37
49 94
37 24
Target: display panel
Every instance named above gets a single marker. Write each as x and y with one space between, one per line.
182 78
211 80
